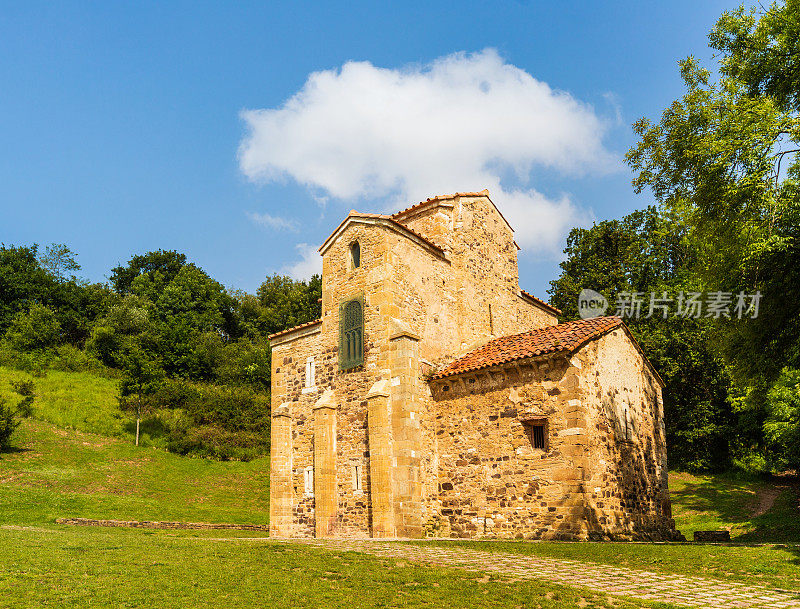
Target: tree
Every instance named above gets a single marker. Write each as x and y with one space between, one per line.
34 329
725 159
159 267
286 302
10 417
143 376
782 425
647 253
9 421
22 281
59 260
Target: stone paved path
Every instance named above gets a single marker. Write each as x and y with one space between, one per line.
646 585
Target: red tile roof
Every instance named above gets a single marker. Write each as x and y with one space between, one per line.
287 330
566 337
541 303
439 198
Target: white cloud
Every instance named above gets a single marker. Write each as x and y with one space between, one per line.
310 262
460 123
274 222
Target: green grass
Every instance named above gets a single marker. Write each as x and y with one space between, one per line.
61 473
61 468
63 567
703 503
73 400
769 565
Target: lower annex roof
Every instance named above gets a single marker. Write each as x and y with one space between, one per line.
567 337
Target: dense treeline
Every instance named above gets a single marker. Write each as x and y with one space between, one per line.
193 357
723 166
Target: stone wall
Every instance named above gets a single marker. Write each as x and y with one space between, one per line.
493 482
624 411
596 478
482 293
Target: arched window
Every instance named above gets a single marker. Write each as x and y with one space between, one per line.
355 255
351 341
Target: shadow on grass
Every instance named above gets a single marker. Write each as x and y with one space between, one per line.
154 427
12 450
731 503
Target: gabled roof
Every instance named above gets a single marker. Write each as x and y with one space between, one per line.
433 200
540 303
564 338
293 329
385 221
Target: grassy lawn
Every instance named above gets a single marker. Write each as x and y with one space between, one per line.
72 400
62 472
731 502
771 565
63 567
76 458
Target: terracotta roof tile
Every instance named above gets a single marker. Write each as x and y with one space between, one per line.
566 337
541 302
287 330
439 198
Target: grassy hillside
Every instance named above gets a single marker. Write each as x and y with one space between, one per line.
73 400
753 509
59 473
76 458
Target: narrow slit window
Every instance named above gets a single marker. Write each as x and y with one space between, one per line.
537 433
357 478
355 255
309 481
310 373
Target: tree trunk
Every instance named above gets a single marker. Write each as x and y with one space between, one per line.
137 430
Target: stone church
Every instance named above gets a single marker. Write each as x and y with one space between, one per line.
434 397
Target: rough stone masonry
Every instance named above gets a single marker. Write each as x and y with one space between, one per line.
434 397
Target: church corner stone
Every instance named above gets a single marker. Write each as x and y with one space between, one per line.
557 446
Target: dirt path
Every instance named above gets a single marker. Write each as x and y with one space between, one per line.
766 499
767 496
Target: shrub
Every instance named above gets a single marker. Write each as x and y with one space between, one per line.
69 358
34 329
223 422
9 421
34 362
27 390
215 442
782 426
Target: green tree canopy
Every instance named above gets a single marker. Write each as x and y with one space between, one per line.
285 302
724 158
647 253
159 268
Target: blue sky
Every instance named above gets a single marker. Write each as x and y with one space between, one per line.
121 123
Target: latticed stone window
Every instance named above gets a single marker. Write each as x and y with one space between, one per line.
351 335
